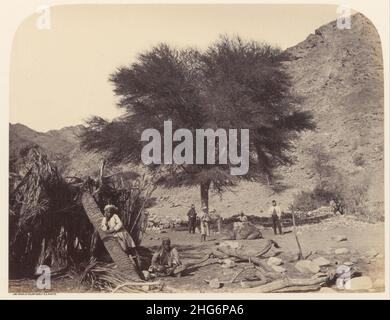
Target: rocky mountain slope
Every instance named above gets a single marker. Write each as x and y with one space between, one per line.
340 75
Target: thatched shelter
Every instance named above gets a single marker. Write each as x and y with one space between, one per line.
48 221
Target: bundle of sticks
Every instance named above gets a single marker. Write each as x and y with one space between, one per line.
267 280
107 277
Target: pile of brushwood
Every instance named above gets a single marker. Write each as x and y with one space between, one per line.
261 277
47 221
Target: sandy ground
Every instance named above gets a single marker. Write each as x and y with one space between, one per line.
319 239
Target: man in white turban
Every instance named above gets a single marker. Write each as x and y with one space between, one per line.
111 223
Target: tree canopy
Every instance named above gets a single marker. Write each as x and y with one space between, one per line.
233 84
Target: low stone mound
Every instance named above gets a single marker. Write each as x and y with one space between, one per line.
245 230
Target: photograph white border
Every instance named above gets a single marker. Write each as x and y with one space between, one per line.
13 12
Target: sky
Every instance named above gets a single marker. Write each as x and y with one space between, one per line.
59 76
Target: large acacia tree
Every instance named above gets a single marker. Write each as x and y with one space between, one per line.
232 84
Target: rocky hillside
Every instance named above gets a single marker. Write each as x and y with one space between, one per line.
62 147
58 144
340 75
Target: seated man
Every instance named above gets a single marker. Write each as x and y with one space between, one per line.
165 260
242 217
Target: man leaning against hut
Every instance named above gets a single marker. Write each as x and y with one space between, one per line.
111 223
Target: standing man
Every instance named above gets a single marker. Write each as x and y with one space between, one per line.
191 219
242 217
276 215
204 224
215 217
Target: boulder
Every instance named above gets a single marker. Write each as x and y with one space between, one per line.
145 288
146 274
359 283
278 269
348 263
214 283
366 260
328 251
371 254
379 283
274 261
354 259
228 263
230 244
294 257
341 251
307 266
321 261
340 238
246 230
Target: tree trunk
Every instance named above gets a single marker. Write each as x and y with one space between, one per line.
204 194
120 258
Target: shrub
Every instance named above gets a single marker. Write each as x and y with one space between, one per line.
311 200
354 193
350 194
304 201
358 159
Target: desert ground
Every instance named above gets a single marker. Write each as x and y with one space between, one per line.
364 243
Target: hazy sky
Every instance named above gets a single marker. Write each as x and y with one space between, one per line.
59 76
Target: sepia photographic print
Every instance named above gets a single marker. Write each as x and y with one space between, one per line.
215 148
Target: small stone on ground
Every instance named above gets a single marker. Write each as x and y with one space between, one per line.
274 261
306 266
341 251
359 283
